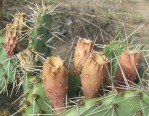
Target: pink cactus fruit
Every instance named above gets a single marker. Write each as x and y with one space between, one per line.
10 39
127 67
55 82
94 75
82 52
13 32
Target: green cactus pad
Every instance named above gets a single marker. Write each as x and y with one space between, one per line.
41 34
7 69
74 84
35 100
126 103
113 51
28 82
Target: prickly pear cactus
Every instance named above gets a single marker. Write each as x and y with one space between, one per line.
50 94
125 63
7 70
35 101
41 36
130 103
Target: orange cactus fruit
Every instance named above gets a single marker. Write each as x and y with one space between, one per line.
94 75
82 52
55 82
127 67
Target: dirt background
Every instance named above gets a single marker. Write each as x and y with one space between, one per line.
99 20
104 19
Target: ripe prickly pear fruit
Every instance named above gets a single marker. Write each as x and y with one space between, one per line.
55 82
82 52
127 67
94 75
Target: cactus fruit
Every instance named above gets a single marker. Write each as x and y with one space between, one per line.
13 32
128 67
124 103
55 81
35 101
82 52
10 39
94 76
